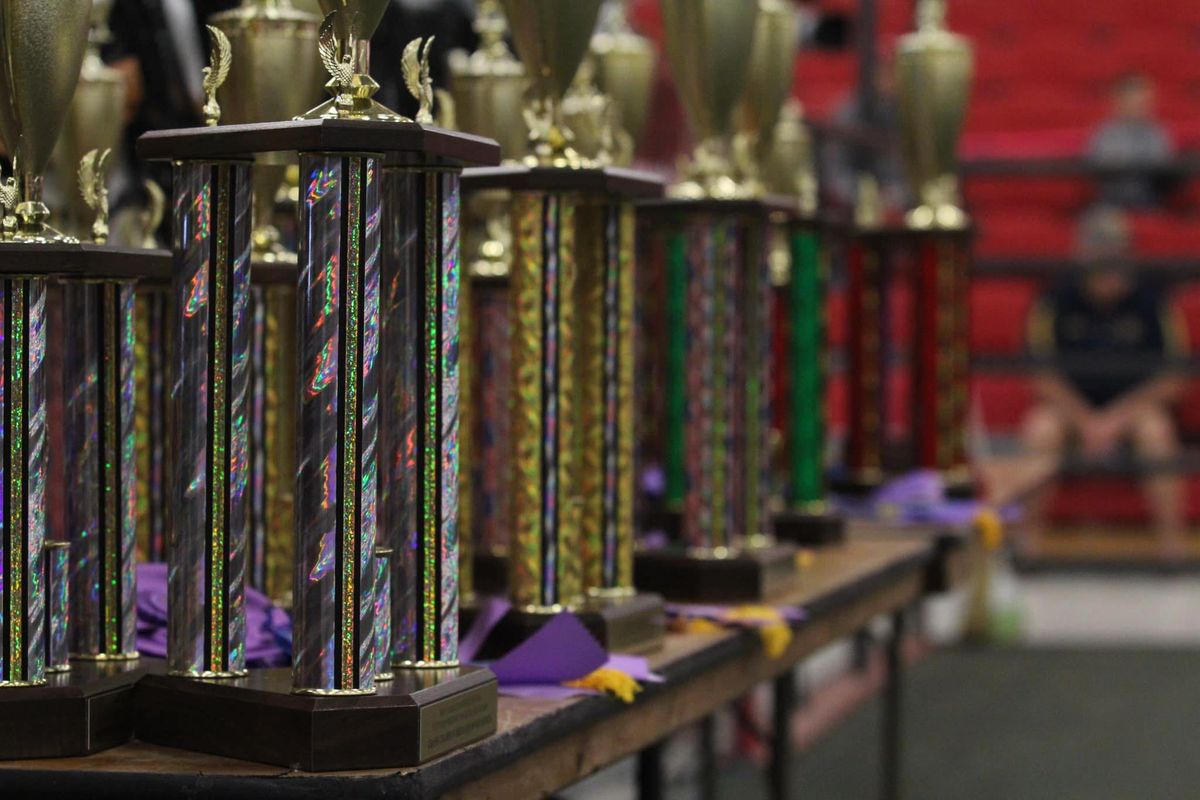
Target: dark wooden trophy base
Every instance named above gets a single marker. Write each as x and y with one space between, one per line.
857 486
739 575
810 528
634 623
417 716
75 713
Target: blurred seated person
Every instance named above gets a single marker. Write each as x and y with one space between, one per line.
1106 339
1131 138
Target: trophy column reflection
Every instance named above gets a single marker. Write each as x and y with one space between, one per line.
707 295
933 68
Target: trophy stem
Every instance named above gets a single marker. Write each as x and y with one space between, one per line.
338 311
420 424
23 482
206 548
101 502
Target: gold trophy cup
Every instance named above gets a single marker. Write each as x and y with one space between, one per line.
276 77
44 43
933 71
95 121
489 85
552 37
624 71
772 66
709 43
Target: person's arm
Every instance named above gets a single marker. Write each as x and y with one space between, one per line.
1048 384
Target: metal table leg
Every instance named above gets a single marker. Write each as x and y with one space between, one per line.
650 774
781 739
890 778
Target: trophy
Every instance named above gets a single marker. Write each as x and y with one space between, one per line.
551 41
709 43
376 429
772 66
933 70
74 614
624 66
705 325
570 513
488 88
95 119
278 77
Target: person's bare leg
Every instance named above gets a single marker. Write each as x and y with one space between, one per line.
1157 444
1043 437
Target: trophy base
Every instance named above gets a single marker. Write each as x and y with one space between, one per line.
810 529
736 575
78 712
631 623
418 715
857 486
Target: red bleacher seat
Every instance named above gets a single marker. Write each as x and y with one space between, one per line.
999 310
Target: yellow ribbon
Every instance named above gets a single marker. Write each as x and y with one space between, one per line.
776 633
612 681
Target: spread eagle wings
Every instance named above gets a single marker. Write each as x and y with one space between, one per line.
410 63
220 60
91 176
338 69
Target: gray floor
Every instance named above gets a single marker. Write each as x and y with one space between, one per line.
1099 702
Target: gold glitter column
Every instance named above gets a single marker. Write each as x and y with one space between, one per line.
546 552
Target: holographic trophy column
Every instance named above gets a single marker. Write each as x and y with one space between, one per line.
22 482
152 401
806 518
272 430
420 423
338 315
206 550
329 705
100 467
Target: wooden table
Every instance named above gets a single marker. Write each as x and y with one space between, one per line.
541 745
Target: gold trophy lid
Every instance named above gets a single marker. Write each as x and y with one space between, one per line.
551 37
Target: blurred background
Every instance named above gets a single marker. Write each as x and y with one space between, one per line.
1080 171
